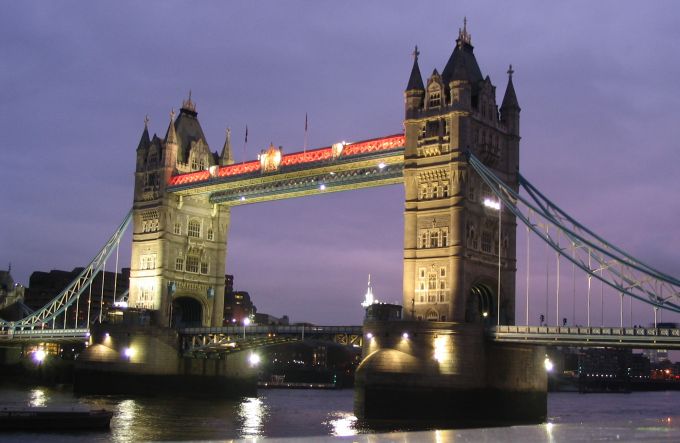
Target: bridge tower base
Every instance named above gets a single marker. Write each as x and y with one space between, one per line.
447 372
126 359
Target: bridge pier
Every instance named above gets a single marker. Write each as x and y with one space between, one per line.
435 371
125 359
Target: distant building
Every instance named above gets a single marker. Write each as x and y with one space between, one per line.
45 286
266 319
11 297
237 304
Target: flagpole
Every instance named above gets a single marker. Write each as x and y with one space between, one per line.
304 149
245 145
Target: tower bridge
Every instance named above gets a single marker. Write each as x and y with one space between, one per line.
457 346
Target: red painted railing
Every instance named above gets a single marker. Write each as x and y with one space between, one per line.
297 158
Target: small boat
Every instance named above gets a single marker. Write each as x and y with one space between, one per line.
52 418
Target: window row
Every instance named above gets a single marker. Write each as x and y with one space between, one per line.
194 230
192 264
429 191
433 238
147 261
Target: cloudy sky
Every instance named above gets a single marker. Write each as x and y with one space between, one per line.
597 83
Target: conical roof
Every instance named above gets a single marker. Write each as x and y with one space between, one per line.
462 64
510 98
144 141
415 81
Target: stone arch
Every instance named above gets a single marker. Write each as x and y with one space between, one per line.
187 312
431 315
481 305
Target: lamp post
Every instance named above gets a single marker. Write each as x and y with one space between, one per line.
496 205
246 322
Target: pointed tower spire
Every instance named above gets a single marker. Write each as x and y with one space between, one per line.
368 298
415 81
510 98
171 135
144 141
227 157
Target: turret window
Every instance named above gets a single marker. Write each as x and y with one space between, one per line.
178 228
435 99
211 235
179 264
204 268
445 190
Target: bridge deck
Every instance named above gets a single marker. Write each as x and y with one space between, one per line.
664 338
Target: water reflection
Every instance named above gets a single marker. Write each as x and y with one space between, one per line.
38 397
125 419
343 424
252 411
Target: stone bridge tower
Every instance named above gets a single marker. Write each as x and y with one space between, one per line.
179 243
451 238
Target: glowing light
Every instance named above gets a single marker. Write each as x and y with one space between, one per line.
129 352
39 356
404 335
87 334
381 165
369 335
322 187
120 304
254 359
440 351
485 314
548 364
493 204
246 321
243 198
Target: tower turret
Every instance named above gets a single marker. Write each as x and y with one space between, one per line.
143 146
170 151
510 107
415 90
227 157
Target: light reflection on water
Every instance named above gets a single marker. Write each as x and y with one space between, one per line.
296 413
38 398
342 424
253 412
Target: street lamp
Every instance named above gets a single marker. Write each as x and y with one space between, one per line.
246 322
496 206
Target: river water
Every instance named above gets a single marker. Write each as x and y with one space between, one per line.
324 415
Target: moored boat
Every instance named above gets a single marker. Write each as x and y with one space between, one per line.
50 418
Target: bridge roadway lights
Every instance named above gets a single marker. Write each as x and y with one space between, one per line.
447 372
134 359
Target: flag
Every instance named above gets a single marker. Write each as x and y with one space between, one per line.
305 122
246 133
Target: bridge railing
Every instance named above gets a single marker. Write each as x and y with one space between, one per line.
592 330
278 329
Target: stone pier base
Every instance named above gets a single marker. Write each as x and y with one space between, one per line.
147 360
441 371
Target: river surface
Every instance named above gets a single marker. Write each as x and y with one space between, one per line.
323 415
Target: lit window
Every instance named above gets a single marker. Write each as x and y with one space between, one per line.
194 229
192 264
179 264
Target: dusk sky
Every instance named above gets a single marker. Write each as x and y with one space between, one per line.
597 83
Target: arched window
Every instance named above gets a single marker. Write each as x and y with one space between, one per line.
445 190
194 229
